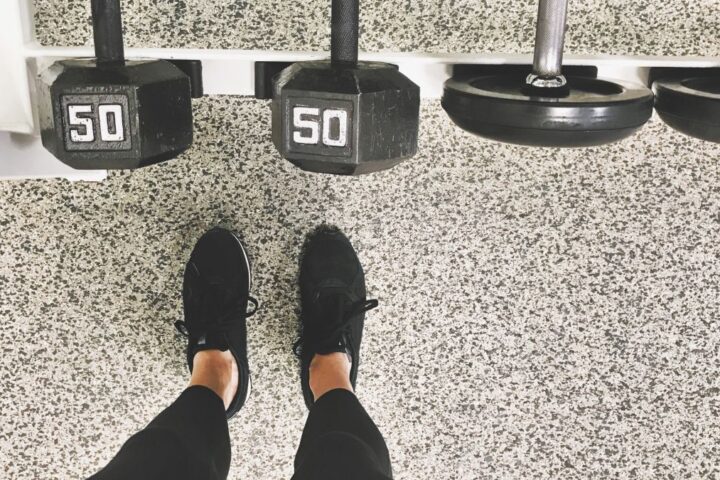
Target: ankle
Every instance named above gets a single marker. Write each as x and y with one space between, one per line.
329 372
217 371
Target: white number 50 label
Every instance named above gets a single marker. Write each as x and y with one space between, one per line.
310 125
110 120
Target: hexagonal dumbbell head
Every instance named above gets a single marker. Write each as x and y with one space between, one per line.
346 120
342 116
115 117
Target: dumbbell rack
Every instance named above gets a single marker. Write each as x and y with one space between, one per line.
225 72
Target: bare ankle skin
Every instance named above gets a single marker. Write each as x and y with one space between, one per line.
217 371
329 372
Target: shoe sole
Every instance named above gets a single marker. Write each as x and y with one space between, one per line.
249 270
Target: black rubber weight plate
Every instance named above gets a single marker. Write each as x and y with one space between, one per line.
595 112
691 106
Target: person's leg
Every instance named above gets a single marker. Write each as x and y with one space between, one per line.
340 439
190 440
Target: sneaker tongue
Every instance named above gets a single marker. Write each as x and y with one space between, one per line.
216 302
331 309
211 341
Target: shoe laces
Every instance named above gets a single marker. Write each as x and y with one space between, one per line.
347 318
212 295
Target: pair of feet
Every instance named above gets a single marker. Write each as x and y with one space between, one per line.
217 303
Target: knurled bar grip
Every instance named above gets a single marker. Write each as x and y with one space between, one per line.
550 38
107 32
345 31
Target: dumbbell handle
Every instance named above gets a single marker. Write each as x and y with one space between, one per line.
345 31
550 38
107 31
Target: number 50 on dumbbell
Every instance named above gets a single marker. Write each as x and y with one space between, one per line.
318 124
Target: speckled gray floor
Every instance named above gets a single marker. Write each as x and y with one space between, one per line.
639 27
544 314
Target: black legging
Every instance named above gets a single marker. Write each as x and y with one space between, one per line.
190 441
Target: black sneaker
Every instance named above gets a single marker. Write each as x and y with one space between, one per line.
216 294
333 302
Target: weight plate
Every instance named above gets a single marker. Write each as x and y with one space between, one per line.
593 112
691 106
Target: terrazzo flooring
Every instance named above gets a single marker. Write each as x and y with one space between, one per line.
544 313
635 27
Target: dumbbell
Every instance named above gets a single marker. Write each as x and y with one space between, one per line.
341 116
691 104
109 113
547 108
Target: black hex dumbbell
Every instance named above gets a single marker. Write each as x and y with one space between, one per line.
109 113
342 116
